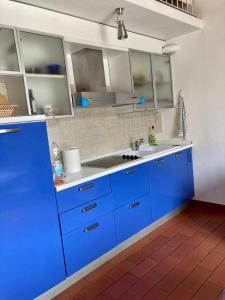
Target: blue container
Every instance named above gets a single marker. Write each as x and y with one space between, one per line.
54 69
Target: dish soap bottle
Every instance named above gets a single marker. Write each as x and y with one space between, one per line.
57 166
152 136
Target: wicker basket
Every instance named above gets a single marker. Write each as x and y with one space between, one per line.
6 110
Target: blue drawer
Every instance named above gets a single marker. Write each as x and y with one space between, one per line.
84 214
129 184
132 217
83 193
87 243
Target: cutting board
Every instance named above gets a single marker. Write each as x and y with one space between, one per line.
3 99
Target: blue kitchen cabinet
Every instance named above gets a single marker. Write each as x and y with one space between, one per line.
161 182
88 242
129 184
189 187
31 257
83 193
171 182
132 217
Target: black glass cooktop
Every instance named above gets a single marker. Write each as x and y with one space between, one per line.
109 162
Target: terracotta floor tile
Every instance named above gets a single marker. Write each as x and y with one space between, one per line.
70 293
155 294
122 285
218 276
188 264
171 280
181 293
166 265
183 250
197 238
141 269
220 248
176 241
119 270
203 249
211 261
129 295
146 283
96 288
104 296
195 279
162 253
208 291
96 274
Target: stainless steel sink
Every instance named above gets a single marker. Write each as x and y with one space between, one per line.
148 150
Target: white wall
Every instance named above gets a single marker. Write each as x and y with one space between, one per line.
199 68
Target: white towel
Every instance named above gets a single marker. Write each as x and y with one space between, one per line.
182 126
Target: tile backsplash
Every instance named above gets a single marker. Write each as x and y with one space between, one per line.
98 131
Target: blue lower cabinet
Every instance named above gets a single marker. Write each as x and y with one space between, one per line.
161 182
83 193
129 184
189 187
84 214
132 217
87 243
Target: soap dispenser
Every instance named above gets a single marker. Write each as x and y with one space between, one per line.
152 136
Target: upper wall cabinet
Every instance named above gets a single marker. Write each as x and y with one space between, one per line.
162 74
9 61
45 73
152 78
141 71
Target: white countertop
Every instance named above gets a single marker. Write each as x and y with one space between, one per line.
22 119
88 173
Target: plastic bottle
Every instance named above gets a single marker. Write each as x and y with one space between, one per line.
152 136
57 166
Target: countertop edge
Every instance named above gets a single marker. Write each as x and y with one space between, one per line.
22 119
102 173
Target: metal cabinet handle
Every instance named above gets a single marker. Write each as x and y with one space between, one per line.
91 227
159 161
87 187
9 130
83 210
134 205
178 154
130 171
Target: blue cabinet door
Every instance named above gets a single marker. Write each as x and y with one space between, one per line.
132 217
87 243
161 181
31 258
129 184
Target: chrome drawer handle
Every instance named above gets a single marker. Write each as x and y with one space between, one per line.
9 130
83 210
91 227
159 161
134 205
87 187
130 171
178 154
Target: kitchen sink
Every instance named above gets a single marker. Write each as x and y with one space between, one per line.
146 150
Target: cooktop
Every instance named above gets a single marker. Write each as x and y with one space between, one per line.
110 161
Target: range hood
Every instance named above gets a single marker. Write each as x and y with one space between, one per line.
107 99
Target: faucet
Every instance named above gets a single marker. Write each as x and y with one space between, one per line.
137 144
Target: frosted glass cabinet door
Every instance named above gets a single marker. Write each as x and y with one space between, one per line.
46 76
8 51
142 76
163 80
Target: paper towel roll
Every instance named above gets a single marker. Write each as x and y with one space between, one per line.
71 160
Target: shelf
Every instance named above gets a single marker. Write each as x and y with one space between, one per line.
58 76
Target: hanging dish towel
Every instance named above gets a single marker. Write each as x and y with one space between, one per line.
182 127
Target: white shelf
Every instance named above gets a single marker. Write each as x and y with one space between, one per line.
58 76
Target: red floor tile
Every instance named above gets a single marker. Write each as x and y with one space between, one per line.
155 294
166 265
96 288
208 291
141 269
121 286
211 261
118 271
146 283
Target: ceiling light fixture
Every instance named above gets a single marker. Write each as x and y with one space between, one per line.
121 29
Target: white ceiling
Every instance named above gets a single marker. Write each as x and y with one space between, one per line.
137 18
